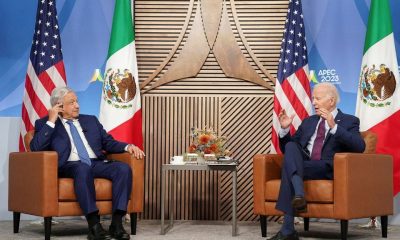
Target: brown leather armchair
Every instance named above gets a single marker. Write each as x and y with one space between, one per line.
362 187
35 189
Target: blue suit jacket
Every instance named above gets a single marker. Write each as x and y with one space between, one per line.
56 139
346 139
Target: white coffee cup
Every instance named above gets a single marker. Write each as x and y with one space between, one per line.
177 160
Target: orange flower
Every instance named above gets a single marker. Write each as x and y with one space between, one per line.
206 141
192 148
207 150
204 138
214 148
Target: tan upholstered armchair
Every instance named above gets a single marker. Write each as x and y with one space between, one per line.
362 187
35 189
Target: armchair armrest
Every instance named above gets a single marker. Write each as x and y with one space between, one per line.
137 166
265 167
33 183
363 185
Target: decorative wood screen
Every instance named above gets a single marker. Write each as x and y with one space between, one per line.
206 63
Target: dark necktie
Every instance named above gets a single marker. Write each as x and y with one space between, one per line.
80 147
318 142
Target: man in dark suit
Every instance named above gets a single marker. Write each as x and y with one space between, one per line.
80 141
309 152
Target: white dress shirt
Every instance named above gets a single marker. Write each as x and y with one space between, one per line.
284 131
74 153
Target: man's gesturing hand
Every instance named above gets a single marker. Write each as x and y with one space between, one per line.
327 115
284 119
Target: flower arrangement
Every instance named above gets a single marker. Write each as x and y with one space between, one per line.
206 141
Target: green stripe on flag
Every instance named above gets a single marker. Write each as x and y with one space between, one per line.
379 23
122 28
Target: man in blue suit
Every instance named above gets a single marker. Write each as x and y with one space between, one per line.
309 152
80 141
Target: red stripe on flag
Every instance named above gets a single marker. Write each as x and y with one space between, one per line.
303 79
275 141
36 103
61 70
388 143
277 105
130 131
25 119
28 126
294 100
21 144
46 81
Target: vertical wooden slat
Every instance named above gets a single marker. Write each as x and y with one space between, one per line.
157 138
151 165
168 146
192 116
146 180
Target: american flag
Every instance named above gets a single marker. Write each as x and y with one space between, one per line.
292 90
45 68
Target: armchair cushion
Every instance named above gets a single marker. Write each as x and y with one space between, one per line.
66 189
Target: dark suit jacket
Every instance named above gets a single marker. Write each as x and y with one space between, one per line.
346 139
56 139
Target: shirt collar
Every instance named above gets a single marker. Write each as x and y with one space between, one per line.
334 113
64 121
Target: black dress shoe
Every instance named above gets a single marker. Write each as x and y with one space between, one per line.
280 236
299 204
97 232
118 232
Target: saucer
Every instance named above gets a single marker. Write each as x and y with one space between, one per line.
177 163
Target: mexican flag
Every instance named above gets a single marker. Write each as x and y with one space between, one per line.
120 108
378 100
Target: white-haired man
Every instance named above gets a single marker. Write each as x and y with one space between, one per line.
80 141
309 152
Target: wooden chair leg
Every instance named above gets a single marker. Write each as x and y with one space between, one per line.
306 224
344 225
133 223
263 223
47 228
384 226
16 219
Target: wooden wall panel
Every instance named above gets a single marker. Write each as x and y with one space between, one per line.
169 119
246 123
236 106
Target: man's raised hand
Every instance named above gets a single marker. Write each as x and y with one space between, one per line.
54 111
284 119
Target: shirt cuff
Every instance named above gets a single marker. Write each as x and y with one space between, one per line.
283 132
52 125
126 147
333 130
